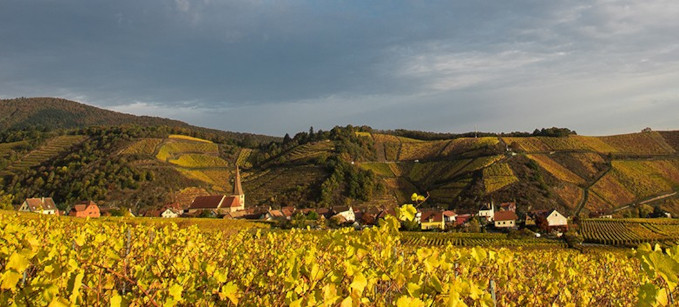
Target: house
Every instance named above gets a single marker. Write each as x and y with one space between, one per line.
432 220
487 211
221 203
505 219
511 206
553 220
274 215
346 212
43 205
530 221
288 212
462 219
449 216
171 213
85 209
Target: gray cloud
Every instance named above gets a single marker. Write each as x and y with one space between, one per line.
281 66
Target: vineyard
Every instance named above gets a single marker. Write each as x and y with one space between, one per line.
243 157
498 176
7 148
630 232
52 148
475 239
308 151
556 169
171 149
66 261
187 138
198 161
143 147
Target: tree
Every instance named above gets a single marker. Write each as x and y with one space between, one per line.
6 201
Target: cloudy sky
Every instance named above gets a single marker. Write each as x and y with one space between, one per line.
599 67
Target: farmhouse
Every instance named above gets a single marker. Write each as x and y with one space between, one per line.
552 220
85 209
432 220
221 203
43 205
505 219
449 216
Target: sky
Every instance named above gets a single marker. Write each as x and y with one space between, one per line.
276 67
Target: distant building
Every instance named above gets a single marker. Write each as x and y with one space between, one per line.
549 220
462 219
85 209
510 206
554 221
487 211
43 205
347 213
432 220
505 219
449 216
221 203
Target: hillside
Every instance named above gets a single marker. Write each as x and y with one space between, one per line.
143 164
57 113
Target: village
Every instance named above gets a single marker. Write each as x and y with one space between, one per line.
489 217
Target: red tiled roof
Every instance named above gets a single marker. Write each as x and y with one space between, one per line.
431 216
45 203
207 202
276 213
505 216
288 211
449 213
230 202
82 206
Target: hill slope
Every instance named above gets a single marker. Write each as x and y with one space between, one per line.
57 113
144 162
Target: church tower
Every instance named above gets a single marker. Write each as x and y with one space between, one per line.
238 189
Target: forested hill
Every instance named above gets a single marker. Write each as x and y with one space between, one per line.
56 113
143 162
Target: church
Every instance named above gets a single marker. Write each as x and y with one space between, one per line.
221 204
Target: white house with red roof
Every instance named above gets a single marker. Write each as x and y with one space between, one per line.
505 219
43 205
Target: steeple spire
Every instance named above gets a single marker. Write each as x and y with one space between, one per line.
237 188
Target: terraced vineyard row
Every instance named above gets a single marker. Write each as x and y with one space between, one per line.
474 239
53 147
630 232
243 157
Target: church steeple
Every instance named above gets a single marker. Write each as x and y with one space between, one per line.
238 189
